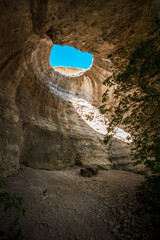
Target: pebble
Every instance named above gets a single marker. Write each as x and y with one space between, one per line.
121 212
111 223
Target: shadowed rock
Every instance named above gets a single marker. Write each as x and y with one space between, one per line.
85 173
39 123
89 171
92 169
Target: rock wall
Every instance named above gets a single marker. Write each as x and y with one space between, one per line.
39 124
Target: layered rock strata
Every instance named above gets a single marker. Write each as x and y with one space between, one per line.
39 124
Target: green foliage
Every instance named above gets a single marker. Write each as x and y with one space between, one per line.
137 93
78 161
149 195
2 182
107 139
11 202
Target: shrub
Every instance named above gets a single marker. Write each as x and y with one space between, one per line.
10 202
78 161
137 93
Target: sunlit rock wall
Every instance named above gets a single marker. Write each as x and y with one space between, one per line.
39 124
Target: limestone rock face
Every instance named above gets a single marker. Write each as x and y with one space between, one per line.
39 123
69 70
119 155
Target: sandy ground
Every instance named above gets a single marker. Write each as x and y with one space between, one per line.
64 205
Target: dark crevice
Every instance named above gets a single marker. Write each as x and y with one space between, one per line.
51 34
38 9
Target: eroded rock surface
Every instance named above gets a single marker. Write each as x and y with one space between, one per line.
69 70
39 124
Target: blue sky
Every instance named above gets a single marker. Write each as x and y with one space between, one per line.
70 57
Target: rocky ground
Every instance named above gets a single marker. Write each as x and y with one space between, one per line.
64 205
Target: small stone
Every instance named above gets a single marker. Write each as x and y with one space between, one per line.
111 224
114 211
85 173
115 231
127 221
121 212
41 226
93 169
89 171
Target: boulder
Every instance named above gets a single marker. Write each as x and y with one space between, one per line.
89 171
85 173
92 169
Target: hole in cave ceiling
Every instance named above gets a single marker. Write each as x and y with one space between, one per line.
68 60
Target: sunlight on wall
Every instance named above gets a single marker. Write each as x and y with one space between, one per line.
95 119
88 113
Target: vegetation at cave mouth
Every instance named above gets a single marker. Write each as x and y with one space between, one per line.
137 93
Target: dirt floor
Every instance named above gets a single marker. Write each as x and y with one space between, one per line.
63 205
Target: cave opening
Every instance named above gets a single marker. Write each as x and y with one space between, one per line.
58 179
68 60
73 63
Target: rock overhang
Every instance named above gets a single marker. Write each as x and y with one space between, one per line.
36 122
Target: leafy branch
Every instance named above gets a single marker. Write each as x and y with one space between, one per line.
10 202
137 108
